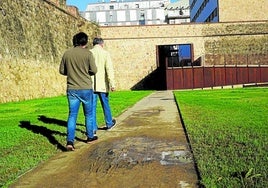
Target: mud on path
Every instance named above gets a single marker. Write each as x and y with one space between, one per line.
147 148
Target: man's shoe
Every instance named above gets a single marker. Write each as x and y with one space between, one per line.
112 126
70 146
89 140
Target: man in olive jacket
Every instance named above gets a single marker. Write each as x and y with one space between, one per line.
78 65
103 82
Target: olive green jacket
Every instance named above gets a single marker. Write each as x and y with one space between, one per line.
78 65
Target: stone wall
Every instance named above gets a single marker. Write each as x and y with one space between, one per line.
244 43
134 48
242 10
33 37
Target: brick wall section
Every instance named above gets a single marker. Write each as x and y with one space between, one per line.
33 37
133 48
237 43
243 10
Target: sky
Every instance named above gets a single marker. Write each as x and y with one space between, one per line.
82 4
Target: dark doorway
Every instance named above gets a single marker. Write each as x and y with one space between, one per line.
172 56
167 57
178 55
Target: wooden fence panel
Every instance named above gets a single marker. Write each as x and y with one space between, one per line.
230 78
198 77
187 78
169 79
208 77
202 77
264 74
178 78
254 75
219 76
242 75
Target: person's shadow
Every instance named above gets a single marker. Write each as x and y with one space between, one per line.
48 133
48 120
45 132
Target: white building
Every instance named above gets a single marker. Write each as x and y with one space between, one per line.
137 12
178 12
127 12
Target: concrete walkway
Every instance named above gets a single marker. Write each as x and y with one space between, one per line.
147 148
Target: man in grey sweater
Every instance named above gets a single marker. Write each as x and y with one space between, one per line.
78 65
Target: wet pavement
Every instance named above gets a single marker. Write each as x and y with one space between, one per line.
147 148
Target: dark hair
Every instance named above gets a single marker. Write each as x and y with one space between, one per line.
97 40
75 41
80 39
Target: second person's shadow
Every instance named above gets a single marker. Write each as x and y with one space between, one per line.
63 123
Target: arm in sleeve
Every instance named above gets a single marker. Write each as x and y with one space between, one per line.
110 71
93 68
62 68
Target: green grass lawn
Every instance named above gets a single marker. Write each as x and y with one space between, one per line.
34 130
228 132
227 129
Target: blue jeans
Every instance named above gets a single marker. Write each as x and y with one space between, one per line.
75 98
104 100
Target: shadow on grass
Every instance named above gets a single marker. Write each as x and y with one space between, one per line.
48 133
45 132
48 120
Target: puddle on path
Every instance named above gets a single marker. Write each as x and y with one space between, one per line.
143 151
131 151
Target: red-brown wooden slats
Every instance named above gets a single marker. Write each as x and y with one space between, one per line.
213 76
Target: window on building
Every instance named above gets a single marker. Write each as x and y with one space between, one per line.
121 16
111 7
142 19
212 16
171 21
